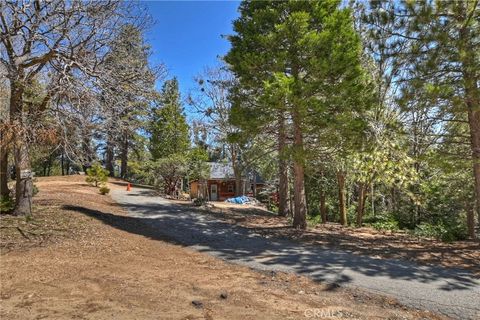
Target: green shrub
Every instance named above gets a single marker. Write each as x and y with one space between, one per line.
96 175
428 230
388 225
271 206
312 221
385 221
447 233
199 202
104 190
351 215
6 204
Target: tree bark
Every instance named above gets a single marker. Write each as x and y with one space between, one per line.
471 220
300 210
23 170
342 207
238 182
4 152
300 213
67 167
109 158
24 183
4 191
472 100
87 150
62 160
474 122
124 158
237 172
254 184
323 208
49 165
283 209
290 199
362 197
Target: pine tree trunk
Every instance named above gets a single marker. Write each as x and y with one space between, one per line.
62 160
393 200
362 197
67 167
472 100
300 210
323 207
236 171
49 166
254 183
342 207
471 220
474 122
109 155
87 150
290 199
238 182
283 209
124 158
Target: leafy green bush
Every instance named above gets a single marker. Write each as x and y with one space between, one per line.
96 174
272 207
199 202
389 225
383 222
351 215
312 221
428 230
104 190
6 204
447 233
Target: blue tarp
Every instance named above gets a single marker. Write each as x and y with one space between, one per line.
239 200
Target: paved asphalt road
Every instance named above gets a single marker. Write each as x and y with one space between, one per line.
451 292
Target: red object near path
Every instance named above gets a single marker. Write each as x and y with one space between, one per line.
129 187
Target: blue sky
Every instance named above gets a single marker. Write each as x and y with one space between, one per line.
187 35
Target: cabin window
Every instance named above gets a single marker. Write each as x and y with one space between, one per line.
230 188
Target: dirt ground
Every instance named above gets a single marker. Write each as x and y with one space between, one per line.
65 264
363 241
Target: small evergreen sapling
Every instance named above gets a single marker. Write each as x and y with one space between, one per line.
96 174
104 190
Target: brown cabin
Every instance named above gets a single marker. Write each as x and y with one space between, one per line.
220 185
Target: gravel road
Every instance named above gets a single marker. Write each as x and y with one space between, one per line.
452 292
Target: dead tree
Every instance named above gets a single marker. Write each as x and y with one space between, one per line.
53 41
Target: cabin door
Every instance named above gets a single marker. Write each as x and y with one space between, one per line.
213 192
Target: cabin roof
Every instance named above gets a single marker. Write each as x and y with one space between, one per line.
219 170
222 170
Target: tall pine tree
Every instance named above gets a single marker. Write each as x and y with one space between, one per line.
169 131
437 43
307 54
126 97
